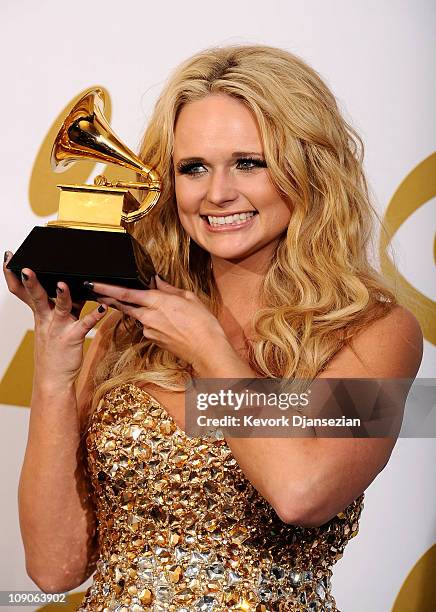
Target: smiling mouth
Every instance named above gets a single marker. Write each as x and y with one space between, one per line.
229 220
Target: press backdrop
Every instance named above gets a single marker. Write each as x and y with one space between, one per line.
379 59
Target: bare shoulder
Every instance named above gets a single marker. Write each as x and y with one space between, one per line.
390 347
398 321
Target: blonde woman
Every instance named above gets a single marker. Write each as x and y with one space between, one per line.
262 235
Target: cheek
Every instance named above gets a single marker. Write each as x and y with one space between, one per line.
184 216
187 197
186 208
185 220
277 210
284 215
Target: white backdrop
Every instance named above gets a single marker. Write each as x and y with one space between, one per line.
379 59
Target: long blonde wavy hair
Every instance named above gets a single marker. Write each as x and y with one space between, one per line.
321 288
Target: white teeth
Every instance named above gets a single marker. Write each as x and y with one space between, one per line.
236 219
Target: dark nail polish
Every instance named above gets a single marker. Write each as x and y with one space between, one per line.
88 285
101 308
24 276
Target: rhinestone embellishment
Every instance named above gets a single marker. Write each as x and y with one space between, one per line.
182 529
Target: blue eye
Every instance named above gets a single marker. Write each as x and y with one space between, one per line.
250 163
191 168
195 167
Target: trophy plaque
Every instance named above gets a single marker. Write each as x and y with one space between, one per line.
89 240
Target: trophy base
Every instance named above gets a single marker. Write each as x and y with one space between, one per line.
74 256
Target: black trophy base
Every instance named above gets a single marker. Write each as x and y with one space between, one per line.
75 255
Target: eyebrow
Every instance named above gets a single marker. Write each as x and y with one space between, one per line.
235 155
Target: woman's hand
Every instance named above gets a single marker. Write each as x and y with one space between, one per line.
59 333
175 319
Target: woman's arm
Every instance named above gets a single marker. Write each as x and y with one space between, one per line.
307 481
310 480
57 518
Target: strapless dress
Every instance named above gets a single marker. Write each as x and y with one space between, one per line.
181 529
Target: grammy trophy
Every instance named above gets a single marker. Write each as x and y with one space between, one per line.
90 238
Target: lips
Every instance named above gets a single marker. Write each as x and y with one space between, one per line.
226 223
229 219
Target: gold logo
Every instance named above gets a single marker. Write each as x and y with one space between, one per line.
418 188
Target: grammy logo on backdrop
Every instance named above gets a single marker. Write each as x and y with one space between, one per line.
89 239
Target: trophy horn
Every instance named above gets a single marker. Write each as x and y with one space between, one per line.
86 133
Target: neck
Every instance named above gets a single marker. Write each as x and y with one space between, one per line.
239 283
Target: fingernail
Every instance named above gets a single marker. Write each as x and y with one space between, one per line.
101 308
88 285
161 278
24 276
6 256
59 289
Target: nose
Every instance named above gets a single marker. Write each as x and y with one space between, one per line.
221 188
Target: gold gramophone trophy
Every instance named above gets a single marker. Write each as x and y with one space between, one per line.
88 240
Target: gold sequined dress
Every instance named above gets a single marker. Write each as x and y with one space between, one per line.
181 529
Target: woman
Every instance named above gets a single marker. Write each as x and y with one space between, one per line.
262 232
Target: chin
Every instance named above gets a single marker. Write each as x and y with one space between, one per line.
231 255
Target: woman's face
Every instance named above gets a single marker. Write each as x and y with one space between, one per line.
225 198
